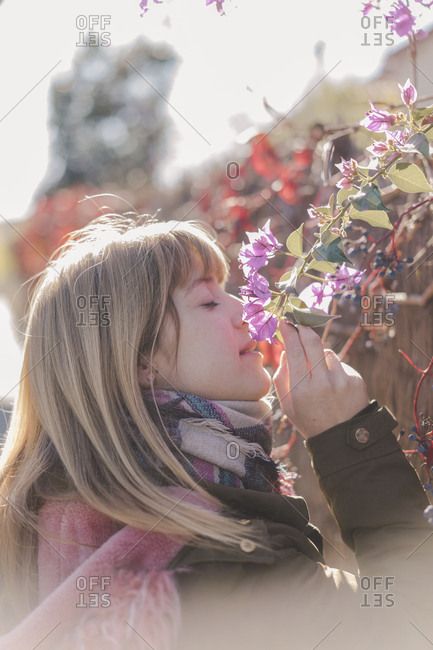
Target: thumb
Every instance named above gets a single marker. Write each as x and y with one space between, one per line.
282 384
281 371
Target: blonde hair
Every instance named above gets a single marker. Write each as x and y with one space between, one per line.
69 435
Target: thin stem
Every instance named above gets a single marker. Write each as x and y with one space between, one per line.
417 391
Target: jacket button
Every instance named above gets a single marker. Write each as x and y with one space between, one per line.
244 522
247 545
362 434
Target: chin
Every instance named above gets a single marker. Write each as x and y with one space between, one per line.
262 387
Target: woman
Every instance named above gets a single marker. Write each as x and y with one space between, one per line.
140 501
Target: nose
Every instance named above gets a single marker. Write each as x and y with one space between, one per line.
238 312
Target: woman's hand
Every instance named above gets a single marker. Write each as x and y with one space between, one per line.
315 389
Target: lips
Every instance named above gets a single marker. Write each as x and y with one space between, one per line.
248 348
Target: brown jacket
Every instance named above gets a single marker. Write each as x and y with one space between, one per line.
248 598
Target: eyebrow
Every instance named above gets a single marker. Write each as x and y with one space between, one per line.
197 282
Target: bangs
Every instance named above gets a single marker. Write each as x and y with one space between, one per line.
176 251
197 252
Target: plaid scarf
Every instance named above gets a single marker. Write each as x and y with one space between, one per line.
224 441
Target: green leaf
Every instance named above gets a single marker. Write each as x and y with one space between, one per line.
280 337
419 113
418 142
294 301
332 253
294 242
344 194
429 134
272 303
376 218
366 171
324 209
322 266
409 178
288 279
369 198
327 237
312 317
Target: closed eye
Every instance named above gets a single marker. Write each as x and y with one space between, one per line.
210 305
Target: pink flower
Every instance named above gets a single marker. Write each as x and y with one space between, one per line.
378 120
395 141
263 245
401 19
349 169
313 212
262 324
143 4
344 278
368 6
317 294
378 149
320 294
219 4
257 287
264 329
399 137
408 93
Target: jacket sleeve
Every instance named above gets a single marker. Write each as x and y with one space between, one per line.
376 498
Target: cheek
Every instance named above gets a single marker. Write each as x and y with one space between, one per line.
211 336
224 339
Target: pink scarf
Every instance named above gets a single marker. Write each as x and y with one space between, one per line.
114 596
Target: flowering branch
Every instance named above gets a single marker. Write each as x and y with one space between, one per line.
144 5
358 197
400 19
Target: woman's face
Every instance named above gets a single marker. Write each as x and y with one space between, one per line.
212 335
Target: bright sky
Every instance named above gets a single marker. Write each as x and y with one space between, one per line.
267 46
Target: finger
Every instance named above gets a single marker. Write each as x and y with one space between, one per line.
338 367
282 383
313 346
281 371
295 354
348 370
281 375
305 352
332 360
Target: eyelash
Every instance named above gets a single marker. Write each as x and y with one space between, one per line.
213 303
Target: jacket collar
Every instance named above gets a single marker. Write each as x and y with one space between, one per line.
289 510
